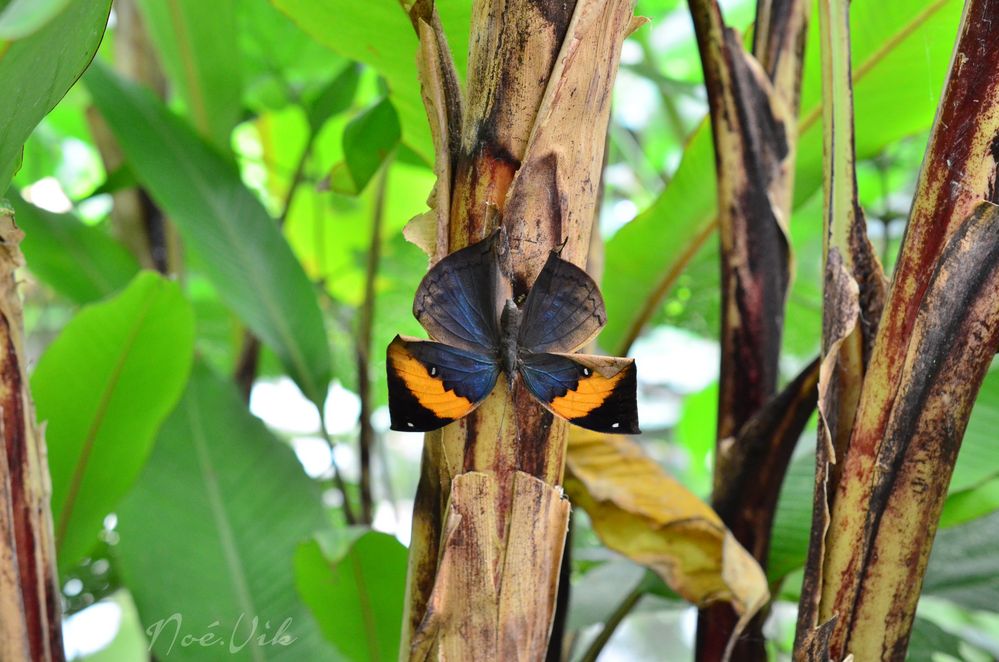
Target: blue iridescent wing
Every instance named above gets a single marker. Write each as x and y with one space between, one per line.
431 385
455 301
563 310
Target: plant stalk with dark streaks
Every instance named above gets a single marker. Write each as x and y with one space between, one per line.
753 101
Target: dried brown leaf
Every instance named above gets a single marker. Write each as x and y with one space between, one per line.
640 511
442 101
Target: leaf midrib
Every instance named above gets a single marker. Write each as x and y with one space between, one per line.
216 504
186 56
99 416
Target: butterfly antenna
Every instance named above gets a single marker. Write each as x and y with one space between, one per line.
561 247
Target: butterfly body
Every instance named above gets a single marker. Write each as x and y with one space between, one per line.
509 329
434 383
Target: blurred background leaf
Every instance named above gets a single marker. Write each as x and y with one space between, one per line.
334 97
198 47
367 141
886 37
964 566
240 247
37 67
103 387
23 17
79 261
356 594
378 34
231 504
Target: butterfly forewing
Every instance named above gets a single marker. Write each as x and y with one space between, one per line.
563 310
431 384
594 392
455 300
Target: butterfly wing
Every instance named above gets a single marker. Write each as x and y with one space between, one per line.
455 300
563 310
431 385
594 392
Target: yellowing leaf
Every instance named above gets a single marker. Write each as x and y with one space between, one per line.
641 512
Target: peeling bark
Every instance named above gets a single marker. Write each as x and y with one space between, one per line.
30 609
469 595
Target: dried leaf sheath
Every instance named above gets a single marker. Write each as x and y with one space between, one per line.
514 44
467 601
779 46
750 145
520 158
443 103
854 290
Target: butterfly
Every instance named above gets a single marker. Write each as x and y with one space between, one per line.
431 383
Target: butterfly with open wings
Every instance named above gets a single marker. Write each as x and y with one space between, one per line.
432 384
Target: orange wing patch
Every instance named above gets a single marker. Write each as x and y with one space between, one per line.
591 392
428 390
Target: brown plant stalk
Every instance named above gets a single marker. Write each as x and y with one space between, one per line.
753 102
30 601
522 149
937 336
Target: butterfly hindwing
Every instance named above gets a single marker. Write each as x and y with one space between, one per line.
431 385
563 310
455 300
594 392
